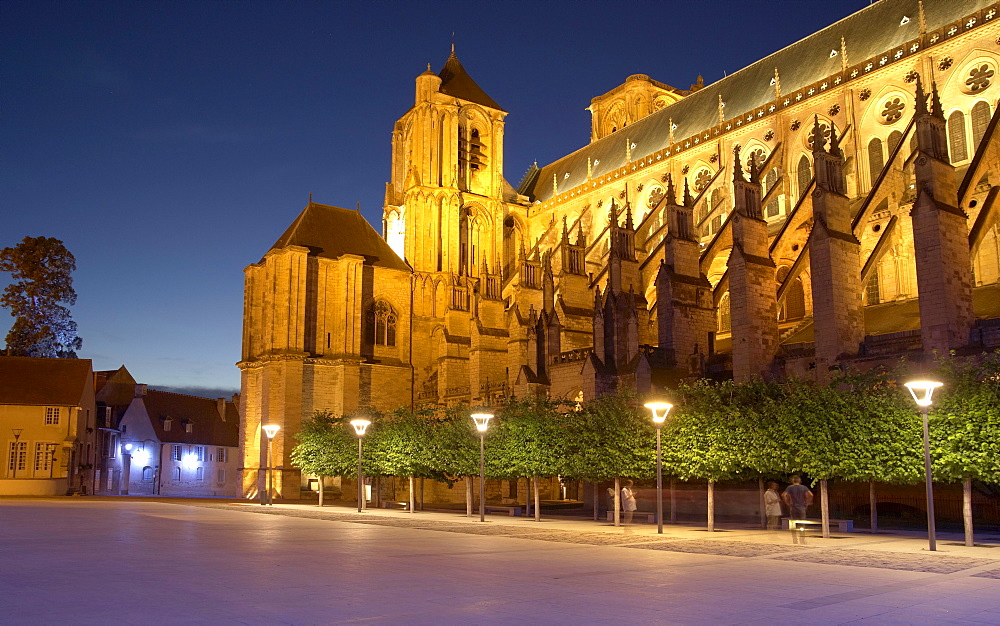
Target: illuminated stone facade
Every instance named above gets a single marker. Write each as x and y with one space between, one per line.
757 226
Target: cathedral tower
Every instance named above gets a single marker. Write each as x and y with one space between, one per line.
444 205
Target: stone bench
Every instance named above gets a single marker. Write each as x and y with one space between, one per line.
843 525
513 511
638 517
395 504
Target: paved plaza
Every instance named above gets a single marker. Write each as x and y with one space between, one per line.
82 560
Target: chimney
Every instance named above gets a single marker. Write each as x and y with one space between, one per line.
140 390
220 404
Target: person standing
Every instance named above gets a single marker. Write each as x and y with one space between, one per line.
628 504
798 497
772 505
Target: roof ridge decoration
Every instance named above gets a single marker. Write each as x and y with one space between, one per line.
886 44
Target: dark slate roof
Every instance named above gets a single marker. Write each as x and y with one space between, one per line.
455 81
208 427
330 232
35 381
871 31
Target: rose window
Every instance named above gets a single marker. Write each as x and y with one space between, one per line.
655 195
702 180
893 110
979 78
824 131
755 161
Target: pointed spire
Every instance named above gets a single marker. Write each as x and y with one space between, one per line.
688 200
453 45
628 150
310 197
737 168
590 168
555 185
722 113
777 84
834 141
671 129
579 234
429 67
628 216
938 110
613 215
565 235
921 98
671 192
843 53
819 140
922 20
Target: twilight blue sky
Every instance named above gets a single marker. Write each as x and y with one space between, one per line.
168 144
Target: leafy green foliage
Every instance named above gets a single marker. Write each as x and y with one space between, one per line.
41 269
327 446
965 420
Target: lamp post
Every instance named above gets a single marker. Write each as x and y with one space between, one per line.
482 421
659 410
360 426
922 390
270 430
17 452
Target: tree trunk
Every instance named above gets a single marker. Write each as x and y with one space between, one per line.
673 502
597 503
873 505
468 496
538 510
824 505
618 501
421 494
321 491
413 494
711 506
760 502
967 511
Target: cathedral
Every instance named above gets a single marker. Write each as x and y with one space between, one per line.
832 205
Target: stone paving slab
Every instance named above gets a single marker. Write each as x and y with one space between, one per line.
935 563
993 573
718 548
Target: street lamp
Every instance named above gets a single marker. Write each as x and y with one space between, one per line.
659 410
922 390
360 426
482 421
270 430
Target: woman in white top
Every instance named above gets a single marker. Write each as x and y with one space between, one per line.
772 506
628 503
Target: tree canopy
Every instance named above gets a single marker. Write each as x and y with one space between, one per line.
41 269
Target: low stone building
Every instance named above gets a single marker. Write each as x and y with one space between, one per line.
175 444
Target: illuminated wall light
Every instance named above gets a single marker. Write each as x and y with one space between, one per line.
190 461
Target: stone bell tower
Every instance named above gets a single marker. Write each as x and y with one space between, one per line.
444 205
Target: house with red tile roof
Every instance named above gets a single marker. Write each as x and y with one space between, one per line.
47 426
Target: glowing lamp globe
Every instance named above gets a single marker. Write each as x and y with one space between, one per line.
271 430
922 390
659 410
360 426
482 421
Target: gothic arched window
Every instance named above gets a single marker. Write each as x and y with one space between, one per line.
876 160
894 138
957 146
980 120
804 174
725 320
381 324
772 205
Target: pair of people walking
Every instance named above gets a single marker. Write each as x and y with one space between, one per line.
797 497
